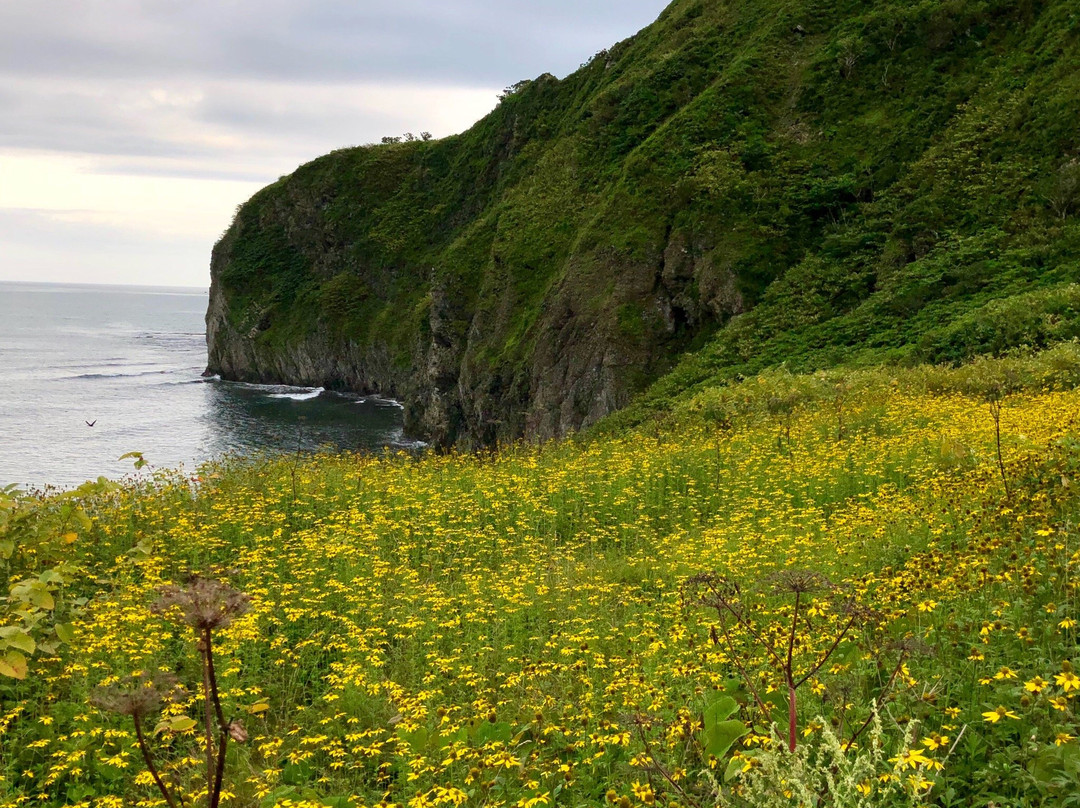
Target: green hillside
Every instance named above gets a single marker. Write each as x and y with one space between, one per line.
739 185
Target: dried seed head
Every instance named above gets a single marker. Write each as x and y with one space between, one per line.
237 732
911 645
710 589
863 614
204 603
138 695
800 581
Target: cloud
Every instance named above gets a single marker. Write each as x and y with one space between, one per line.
150 120
70 246
461 42
235 121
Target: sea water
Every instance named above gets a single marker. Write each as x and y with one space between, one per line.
89 373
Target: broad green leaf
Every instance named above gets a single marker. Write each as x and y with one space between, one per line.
16 637
718 739
417 739
181 723
42 598
721 708
13 664
735 765
66 632
488 732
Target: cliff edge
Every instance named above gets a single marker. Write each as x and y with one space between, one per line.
738 180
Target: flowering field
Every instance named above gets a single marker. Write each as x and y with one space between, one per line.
842 566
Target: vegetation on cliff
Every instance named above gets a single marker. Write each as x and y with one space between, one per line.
757 182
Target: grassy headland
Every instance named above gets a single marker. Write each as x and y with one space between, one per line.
757 181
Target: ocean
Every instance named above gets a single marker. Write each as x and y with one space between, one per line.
88 373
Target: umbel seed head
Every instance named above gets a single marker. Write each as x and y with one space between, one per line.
138 695
800 581
204 603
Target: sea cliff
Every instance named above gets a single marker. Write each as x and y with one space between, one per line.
740 184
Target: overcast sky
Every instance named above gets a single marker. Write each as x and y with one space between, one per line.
131 129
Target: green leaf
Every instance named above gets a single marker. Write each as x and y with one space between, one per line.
66 632
718 738
13 664
297 774
181 723
140 461
488 732
721 708
16 637
277 796
417 739
7 548
42 598
779 702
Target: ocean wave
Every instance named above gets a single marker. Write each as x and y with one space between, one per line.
311 392
294 392
380 401
121 375
196 380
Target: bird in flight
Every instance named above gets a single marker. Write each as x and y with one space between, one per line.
90 423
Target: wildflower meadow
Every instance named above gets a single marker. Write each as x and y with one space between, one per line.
850 588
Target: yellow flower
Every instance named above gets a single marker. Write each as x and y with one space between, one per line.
1005 673
934 741
644 792
927 606
1068 680
1068 622
999 713
912 759
1062 738
1036 685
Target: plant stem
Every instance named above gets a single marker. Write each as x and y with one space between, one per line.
223 741
213 679
208 716
878 701
663 771
149 760
995 411
792 717
214 795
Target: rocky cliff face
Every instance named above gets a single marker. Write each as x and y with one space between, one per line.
852 175
583 363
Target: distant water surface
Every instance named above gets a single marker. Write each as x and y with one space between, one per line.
130 361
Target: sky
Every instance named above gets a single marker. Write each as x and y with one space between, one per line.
130 130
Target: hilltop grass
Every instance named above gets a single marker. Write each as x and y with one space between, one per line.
515 628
